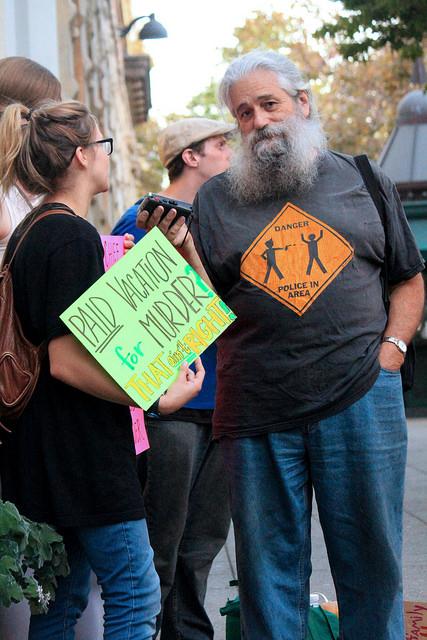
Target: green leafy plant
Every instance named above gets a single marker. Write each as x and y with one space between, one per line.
372 24
32 556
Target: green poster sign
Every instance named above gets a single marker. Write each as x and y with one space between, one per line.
145 316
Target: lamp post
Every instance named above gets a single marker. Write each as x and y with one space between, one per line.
150 31
137 68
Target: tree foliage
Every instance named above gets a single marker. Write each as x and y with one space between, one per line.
372 24
204 104
358 101
286 34
151 175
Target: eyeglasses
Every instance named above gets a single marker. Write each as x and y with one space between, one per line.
107 145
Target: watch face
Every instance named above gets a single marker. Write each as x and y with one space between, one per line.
399 343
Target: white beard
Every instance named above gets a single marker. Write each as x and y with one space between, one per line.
278 159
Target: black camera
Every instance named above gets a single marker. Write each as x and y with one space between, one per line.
153 200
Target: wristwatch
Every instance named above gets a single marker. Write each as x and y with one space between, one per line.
397 342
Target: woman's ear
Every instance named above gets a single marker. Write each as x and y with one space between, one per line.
82 156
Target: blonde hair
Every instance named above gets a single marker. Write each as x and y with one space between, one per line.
27 82
37 145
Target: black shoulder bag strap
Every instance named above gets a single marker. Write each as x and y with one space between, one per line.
371 183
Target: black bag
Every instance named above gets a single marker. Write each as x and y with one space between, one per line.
19 359
407 370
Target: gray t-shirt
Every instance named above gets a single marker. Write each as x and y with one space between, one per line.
302 275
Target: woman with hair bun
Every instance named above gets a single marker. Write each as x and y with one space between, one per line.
70 459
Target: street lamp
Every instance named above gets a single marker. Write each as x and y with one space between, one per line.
137 68
150 31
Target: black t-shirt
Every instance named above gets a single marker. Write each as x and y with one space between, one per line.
302 275
70 459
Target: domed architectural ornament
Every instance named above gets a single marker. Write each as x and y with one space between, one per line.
404 157
412 109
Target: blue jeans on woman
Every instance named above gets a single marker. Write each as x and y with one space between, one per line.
355 461
121 557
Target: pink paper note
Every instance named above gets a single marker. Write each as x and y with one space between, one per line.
113 249
139 431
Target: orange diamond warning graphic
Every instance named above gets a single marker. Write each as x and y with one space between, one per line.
295 258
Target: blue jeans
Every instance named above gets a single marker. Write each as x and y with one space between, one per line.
121 557
355 461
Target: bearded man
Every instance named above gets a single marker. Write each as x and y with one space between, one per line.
309 391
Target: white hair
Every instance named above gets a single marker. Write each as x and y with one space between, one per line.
289 77
278 159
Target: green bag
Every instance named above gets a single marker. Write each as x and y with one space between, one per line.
232 620
322 624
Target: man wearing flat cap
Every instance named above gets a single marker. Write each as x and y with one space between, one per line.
186 495
192 150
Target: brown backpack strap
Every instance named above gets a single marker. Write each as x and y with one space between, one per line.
56 208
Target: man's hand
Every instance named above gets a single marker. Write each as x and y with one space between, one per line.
175 234
406 308
390 357
184 389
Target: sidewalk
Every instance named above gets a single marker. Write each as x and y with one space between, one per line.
415 539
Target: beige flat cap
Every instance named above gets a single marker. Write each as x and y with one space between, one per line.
182 134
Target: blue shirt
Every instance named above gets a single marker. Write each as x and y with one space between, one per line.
206 397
